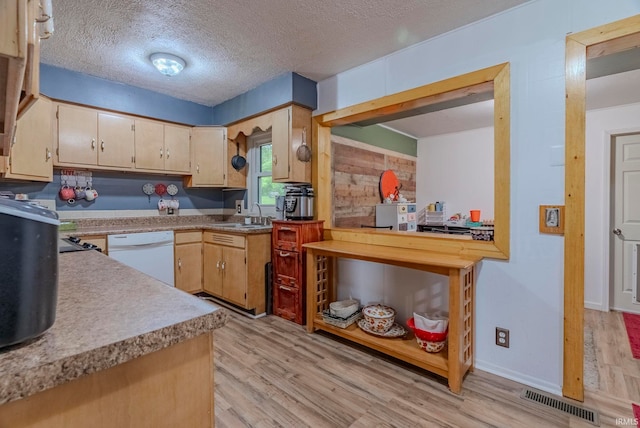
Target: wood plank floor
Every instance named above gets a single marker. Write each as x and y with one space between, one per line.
271 373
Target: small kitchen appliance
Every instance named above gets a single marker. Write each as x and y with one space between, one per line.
298 202
29 274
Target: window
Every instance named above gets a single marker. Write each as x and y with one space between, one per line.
261 188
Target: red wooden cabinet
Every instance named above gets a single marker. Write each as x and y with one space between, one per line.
289 268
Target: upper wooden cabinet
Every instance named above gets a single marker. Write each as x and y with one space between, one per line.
161 147
290 128
87 137
209 152
30 154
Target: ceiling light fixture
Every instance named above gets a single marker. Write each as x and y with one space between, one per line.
167 64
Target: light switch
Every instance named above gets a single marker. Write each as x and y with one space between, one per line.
557 155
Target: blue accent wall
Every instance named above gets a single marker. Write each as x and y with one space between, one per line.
284 89
123 191
72 86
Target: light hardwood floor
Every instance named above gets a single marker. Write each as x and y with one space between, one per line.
271 373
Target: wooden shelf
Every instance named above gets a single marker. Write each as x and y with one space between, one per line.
404 349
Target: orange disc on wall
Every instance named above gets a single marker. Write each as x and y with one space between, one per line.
389 185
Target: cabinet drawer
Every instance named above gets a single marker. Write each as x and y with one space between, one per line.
286 238
187 237
224 239
286 303
286 268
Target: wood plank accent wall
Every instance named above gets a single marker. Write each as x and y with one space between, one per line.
356 170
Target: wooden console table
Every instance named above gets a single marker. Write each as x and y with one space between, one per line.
456 359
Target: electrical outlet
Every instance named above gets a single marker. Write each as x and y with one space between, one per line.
238 207
502 337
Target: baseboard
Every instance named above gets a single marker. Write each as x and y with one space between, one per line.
595 306
519 377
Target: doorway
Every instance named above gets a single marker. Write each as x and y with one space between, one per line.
597 42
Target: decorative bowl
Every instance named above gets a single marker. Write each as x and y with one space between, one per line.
379 318
427 340
344 308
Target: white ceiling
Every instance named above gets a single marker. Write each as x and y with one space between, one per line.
232 46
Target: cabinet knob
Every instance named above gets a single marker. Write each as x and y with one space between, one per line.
282 254
179 263
167 153
161 152
47 154
102 146
93 143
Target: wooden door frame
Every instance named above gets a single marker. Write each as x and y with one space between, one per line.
600 41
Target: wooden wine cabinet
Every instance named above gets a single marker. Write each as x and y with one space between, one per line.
289 272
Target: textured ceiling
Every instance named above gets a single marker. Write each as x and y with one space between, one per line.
233 46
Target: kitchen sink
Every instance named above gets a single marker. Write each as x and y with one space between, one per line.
241 226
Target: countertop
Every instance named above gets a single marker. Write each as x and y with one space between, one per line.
107 314
136 225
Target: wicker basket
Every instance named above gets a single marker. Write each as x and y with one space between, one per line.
341 322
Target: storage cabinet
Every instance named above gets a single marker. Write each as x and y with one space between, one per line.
289 266
161 147
31 152
188 260
290 127
208 166
87 137
98 240
234 268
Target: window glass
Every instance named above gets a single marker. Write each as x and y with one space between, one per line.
262 189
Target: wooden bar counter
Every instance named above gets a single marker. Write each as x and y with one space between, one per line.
456 359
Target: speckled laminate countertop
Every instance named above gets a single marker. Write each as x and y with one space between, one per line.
107 314
154 224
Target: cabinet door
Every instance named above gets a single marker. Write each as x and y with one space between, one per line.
212 269
286 267
207 164
31 154
280 139
286 303
149 144
188 267
116 140
177 155
235 276
77 135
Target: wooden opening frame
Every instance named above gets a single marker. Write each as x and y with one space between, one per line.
496 78
604 40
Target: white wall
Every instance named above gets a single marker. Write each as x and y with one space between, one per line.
601 125
457 168
524 294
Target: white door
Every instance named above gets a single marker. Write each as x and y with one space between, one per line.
626 222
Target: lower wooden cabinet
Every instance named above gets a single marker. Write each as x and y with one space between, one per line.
234 268
188 260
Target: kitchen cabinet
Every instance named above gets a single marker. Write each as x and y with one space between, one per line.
289 269
208 154
458 356
290 128
92 138
234 268
30 154
188 260
161 147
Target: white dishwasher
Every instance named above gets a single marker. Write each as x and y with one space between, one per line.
148 252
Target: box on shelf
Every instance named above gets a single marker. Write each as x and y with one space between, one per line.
400 216
339 321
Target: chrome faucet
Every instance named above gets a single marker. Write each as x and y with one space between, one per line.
259 212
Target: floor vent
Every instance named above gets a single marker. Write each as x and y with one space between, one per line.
549 400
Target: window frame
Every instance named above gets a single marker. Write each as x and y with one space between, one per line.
254 142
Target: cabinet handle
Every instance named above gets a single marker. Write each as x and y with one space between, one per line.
198 168
218 265
102 146
93 144
180 264
48 153
286 228
223 265
161 152
282 287
167 153
284 254
274 159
